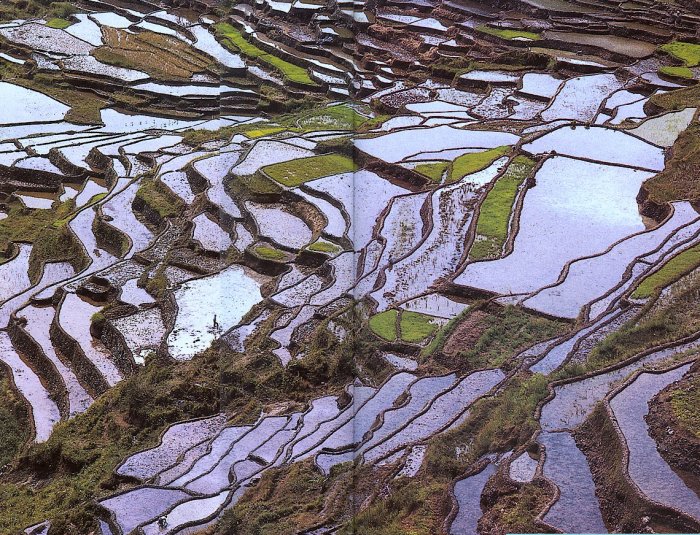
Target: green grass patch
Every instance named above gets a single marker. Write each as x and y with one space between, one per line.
677 72
60 24
671 271
296 172
680 179
324 247
232 38
261 131
509 34
269 253
434 171
416 327
475 162
688 53
384 324
494 216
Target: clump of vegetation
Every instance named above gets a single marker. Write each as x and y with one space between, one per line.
494 215
269 253
688 97
509 33
158 197
25 9
688 53
474 162
671 271
296 172
14 420
233 39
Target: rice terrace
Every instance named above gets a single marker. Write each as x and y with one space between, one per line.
388 267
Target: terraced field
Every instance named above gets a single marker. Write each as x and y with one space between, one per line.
293 267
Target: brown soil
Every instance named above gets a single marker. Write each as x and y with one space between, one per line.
466 334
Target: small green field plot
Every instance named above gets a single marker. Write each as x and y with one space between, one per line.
297 172
262 131
339 117
159 198
671 271
685 402
232 38
434 171
475 162
58 23
509 34
494 216
269 253
416 327
688 53
322 246
384 324
677 72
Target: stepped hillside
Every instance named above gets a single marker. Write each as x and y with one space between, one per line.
293 267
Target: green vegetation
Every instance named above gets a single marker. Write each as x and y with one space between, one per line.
413 327
296 172
680 179
324 247
158 197
688 53
14 420
688 97
494 215
416 327
675 268
269 253
677 72
233 39
474 162
434 171
685 402
259 131
58 23
509 34
384 324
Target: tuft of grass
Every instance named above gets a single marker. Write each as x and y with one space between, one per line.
58 23
509 34
269 253
232 38
384 324
475 162
434 171
677 72
296 172
416 327
671 271
688 53
494 216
